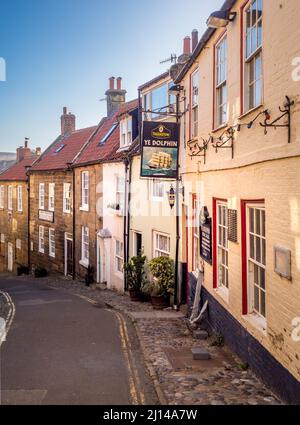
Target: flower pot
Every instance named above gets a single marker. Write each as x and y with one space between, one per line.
160 302
135 295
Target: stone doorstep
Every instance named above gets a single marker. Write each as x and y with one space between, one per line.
200 353
200 334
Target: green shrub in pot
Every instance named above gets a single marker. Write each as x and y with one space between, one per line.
162 271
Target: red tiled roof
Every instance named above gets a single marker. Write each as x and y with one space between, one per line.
95 151
58 159
17 172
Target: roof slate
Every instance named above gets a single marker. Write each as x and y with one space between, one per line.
17 172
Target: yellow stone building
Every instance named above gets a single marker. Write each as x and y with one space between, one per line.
242 173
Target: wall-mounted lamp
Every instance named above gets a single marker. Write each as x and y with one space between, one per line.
172 197
220 18
175 89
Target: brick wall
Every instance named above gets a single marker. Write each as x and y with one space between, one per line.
14 226
63 222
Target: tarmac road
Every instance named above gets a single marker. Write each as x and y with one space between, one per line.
61 349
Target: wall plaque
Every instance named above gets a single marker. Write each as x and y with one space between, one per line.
46 216
206 241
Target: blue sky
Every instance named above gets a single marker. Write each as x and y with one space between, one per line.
62 52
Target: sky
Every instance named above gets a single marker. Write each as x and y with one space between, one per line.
62 52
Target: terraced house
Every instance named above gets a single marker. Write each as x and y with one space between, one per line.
240 161
100 183
51 200
14 212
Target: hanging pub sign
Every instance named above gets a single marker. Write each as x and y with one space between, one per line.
160 144
205 236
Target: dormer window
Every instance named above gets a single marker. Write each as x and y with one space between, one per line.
126 132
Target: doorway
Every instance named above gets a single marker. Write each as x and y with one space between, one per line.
10 257
137 243
68 255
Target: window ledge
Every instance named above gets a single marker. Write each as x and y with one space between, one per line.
221 127
245 114
223 292
257 321
52 255
84 208
84 263
66 212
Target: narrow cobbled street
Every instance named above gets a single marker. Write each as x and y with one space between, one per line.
90 355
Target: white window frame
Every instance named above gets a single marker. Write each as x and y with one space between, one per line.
2 196
85 246
222 246
255 265
120 193
157 190
221 103
250 60
195 81
67 198
51 197
126 132
10 197
42 239
52 242
20 198
157 250
18 244
84 191
42 196
119 256
196 233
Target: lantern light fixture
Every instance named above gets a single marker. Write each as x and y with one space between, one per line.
220 18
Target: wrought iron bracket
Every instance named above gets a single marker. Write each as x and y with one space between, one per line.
225 141
285 111
196 150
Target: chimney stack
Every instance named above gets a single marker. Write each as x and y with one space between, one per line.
194 39
38 151
23 151
115 97
187 45
68 122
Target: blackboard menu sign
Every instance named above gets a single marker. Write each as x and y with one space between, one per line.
206 241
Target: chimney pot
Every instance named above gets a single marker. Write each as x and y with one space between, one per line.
187 46
38 151
119 83
26 142
194 39
112 83
65 110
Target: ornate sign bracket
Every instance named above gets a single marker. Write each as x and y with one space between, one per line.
286 111
225 141
197 150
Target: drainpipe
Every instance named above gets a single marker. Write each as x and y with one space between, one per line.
28 223
74 222
176 303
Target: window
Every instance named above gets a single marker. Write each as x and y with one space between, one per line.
196 234
2 197
42 196
18 244
51 196
147 105
20 198
161 245
120 184
126 132
194 103
41 239
109 133
253 55
10 197
67 198
52 242
2 238
257 260
119 256
159 100
222 245
221 82
157 190
85 247
85 190
172 99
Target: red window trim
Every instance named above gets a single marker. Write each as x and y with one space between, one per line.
244 204
219 39
242 69
215 266
194 198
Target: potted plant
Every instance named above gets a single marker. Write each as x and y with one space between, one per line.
136 276
162 282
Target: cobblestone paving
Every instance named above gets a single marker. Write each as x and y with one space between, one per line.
225 383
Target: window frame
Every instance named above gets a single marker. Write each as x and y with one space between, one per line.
195 232
119 255
85 246
65 198
194 106
20 198
219 85
2 197
85 183
120 193
126 124
42 239
51 197
52 242
251 58
10 197
224 286
41 196
155 196
157 249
